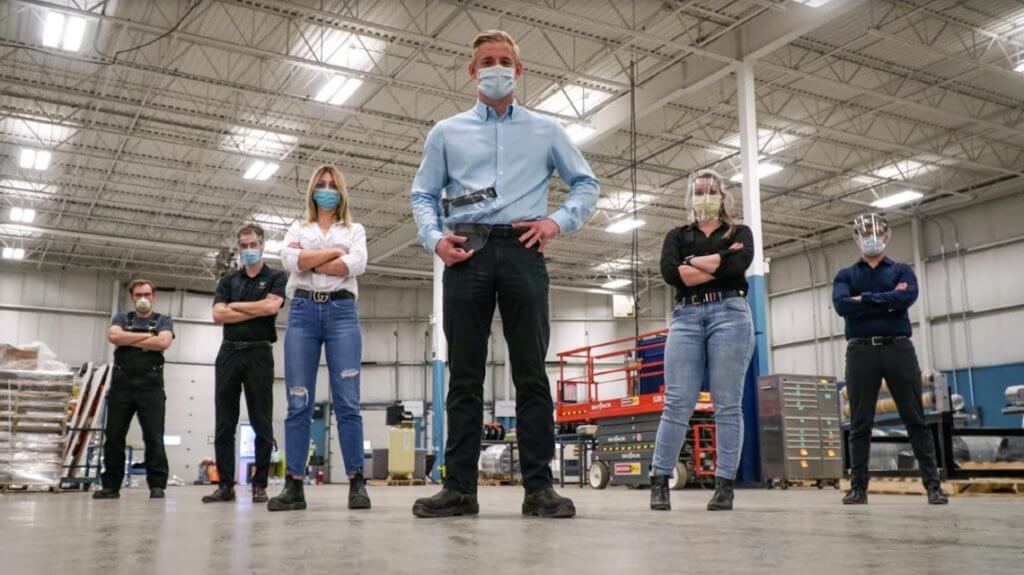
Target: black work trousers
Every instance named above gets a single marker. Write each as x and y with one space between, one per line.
866 365
515 278
131 394
249 371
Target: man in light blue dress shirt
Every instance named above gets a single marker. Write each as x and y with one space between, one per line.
484 178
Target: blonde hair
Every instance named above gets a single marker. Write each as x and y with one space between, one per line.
727 199
341 211
488 36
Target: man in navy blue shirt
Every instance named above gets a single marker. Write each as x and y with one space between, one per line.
873 296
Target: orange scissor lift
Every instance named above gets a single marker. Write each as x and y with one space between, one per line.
618 386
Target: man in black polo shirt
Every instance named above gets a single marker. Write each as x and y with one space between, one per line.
246 303
873 295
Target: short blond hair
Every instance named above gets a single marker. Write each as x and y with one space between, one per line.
494 36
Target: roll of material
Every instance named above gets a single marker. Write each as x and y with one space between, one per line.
926 381
888 405
1014 395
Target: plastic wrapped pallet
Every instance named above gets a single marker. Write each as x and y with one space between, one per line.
35 391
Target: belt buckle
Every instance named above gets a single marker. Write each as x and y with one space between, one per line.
321 296
695 299
877 340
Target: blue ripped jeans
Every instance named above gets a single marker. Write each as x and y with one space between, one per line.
716 339
333 325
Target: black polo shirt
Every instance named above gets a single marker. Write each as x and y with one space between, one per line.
238 286
690 241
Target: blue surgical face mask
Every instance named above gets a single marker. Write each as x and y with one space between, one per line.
496 82
326 198
872 246
250 256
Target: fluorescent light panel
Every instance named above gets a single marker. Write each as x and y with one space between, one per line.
616 283
764 169
260 170
573 100
624 225
23 186
338 90
579 132
902 170
65 32
23 215
34 159
897 199
14 253
614 265
624 201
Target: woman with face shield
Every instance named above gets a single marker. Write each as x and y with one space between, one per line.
711 334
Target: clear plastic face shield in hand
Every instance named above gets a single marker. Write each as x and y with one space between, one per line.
872 233
462 203
705 195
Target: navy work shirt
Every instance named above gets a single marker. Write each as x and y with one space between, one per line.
882 310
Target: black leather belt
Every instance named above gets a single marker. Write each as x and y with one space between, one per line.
505 231
877 340
323 296
240 345
708 297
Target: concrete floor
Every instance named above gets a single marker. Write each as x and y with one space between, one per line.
797 531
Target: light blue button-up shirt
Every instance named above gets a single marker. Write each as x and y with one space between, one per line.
516 154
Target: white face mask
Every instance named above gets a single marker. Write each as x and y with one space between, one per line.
707 206
496 82
143 305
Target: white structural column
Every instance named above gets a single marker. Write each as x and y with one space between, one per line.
439 355
752 205
750 460
924 328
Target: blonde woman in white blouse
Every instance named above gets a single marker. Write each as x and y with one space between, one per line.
324 253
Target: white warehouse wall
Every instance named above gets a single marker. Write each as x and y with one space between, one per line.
990 317
70 312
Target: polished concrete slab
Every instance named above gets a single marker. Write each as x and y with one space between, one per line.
796 531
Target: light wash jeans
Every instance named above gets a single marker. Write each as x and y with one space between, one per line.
715 340
333 325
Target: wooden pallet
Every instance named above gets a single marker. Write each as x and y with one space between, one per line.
1011 486
498 481
392 481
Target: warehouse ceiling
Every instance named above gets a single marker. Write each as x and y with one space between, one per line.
137 150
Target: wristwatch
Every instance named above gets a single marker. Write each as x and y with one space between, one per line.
687 260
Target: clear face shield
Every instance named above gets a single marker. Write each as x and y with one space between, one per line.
705 195
872 233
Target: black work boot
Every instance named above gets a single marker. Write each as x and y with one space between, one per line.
660 500
446 503
259 494
357 496
223 493
856 496
292 497
936 496
546 503
721 500
107 494
156 493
